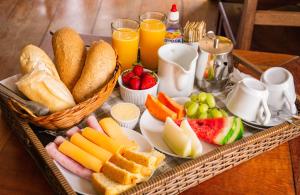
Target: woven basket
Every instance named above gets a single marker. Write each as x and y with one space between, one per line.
71 116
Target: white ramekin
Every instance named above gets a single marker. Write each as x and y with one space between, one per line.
130 124
137 97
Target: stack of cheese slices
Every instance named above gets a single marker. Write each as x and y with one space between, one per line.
75 76
106 156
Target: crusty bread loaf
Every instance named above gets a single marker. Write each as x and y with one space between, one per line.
34 58
98 69
69 51
106 186
41 87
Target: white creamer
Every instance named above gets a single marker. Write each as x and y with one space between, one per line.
176 69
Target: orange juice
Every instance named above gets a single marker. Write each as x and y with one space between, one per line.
152 34
126 41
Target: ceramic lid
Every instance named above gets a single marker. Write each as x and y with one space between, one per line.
215 44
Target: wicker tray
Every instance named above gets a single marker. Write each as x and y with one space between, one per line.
180 178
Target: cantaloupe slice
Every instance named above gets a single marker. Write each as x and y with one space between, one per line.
171 104
158 110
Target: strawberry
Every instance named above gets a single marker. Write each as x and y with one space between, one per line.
135 83
126 77
148 80
138 69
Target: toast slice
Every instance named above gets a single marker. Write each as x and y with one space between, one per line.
107 186
118 174
141 158
130 166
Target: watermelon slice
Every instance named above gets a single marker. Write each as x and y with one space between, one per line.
218 131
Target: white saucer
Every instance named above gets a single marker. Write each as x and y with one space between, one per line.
84 186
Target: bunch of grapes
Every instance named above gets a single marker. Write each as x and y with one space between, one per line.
202 106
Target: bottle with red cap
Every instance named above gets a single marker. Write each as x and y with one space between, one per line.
174 30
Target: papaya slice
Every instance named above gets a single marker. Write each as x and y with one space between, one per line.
159 110
171 104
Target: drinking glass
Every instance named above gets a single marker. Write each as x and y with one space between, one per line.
125 41
152 34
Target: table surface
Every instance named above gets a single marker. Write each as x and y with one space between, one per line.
274 172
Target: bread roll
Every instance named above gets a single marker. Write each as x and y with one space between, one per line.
98 69
69 51
41 87
34 58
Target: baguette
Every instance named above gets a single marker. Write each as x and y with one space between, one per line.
34 58
106 186
98 69
69 52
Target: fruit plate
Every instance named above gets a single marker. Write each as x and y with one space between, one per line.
152 130
84 186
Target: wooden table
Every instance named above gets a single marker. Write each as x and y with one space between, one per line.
275 172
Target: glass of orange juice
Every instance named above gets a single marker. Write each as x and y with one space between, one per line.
152 34
125 41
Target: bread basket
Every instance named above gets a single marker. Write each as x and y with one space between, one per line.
69 117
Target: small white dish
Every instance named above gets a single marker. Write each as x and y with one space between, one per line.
152 130
84 186
137 97
126 114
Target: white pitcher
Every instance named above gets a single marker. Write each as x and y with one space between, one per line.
176 69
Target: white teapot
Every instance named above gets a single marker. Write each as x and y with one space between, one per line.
176 69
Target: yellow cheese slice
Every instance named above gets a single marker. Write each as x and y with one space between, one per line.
80 156
90 147
101 140
115 131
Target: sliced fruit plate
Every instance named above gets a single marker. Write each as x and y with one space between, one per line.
83 186
211 132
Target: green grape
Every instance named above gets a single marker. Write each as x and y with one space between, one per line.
203 108
194 98
192 109
216 113
224 113
187 104
202 96
202 115
209 114
210 100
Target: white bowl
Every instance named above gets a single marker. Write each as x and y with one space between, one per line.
137 97
127 123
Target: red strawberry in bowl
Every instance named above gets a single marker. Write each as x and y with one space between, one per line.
135 83
126 77
138 69
148 80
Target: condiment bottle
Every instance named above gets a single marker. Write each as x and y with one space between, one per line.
174 30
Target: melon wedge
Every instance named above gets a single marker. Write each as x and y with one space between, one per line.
196 144
158 110
176 139
171 104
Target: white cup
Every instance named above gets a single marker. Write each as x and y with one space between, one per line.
280 84
248 100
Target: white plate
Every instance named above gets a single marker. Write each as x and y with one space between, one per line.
152 129
84 186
